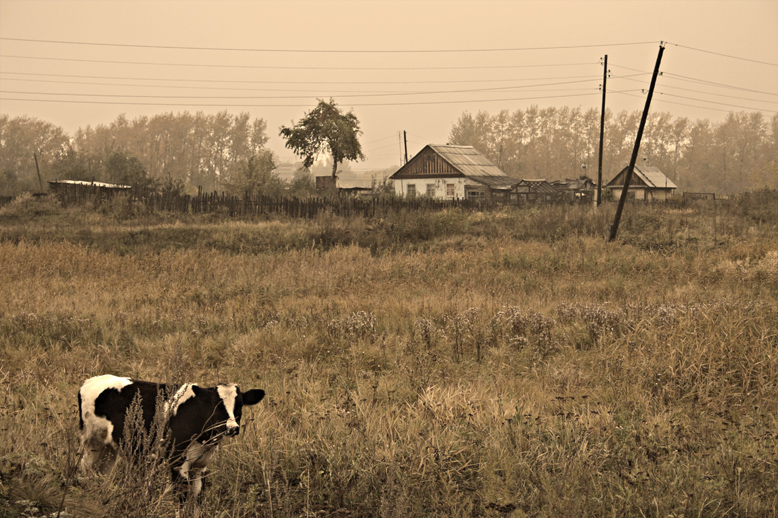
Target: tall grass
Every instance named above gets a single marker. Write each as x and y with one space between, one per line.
509 363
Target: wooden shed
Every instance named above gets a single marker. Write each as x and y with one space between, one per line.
647 183
536 190
575 189
452 172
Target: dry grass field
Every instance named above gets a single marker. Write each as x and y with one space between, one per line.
504 363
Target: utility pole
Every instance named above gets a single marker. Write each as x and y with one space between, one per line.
405 141
602 130
40 182
628 176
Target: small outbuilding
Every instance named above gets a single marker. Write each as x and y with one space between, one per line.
536 190
450 173
647 183
88 187
578 189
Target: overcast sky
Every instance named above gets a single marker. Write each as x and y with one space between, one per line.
399 65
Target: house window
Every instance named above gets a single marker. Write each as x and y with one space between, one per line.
450 189
431 189
411 190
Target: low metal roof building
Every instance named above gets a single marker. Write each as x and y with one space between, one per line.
536 190
451 172
58 184
647 183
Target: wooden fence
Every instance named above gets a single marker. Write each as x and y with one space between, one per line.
254 206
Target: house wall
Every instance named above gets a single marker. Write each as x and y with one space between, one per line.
441 190
645 194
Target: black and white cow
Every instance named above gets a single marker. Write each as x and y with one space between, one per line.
196 419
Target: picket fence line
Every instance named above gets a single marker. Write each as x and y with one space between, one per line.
251 206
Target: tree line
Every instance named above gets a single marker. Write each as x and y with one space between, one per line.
168 151
732 156
225 152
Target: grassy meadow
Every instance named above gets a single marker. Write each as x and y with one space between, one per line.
503 363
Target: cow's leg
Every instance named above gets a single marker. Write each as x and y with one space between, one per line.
180 482
99 450
188 483
196 484
190 473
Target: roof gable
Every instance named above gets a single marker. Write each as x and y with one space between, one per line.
644 176
450 161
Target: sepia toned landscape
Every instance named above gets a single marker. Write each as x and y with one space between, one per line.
392 259
503 362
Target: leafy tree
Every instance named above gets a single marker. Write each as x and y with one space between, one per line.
71 166
302 185
325 129
127 170
255 176
21 138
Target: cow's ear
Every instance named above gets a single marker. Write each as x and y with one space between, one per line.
252 397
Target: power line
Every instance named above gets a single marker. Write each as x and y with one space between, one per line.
723 55
708 93
387 82
717 103
318 92
678 77
177 87
380 139
258 67
637 96
713 83
393 94
326 51
222 105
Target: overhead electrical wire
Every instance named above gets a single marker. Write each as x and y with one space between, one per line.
658 98
190 83
678 77
712 93
259 67
721 54
269 82
392 94
203 105
717 103
327 51
713 83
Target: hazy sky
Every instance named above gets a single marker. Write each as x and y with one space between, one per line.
400 65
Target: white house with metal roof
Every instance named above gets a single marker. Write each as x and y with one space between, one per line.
647 183
452 172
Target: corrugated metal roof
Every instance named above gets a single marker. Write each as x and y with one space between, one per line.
495 182
654 177
468 160
651 176
91 184
536 186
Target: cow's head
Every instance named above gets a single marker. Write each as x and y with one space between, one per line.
232 402
225 403
209 413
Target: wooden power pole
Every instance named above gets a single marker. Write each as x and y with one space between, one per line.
628 176
405 142
38 169
602 130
